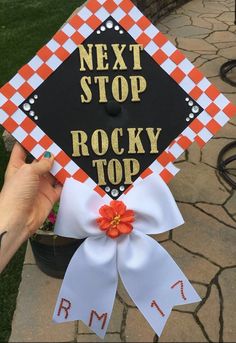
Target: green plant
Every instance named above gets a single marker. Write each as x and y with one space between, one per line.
25 26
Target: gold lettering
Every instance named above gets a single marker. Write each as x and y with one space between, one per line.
115 141
131 167
114 171
136 48
118 50
120 89
138 85
102 80
102 57
87 96
86 57
99 165
153 138
79 139
135 144
99 142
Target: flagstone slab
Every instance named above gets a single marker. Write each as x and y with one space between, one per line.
182 327
215 6
210 69
199 183
201 22
216 24
225 45
199 62
181 158
197 6
227 17
228 131
233 120
176 21
218 212
188 12
124 295
228 52
195 44
232 28
221 85
137 328
162 237
204 53
209 15
211 308
93 338
211 151
36 300
29 256
195 267
231 204
221 36
201 290
193 154
206 236
189 31
227 282
163 28
209 57
231 97
192 56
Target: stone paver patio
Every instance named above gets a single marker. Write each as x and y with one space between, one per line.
204 247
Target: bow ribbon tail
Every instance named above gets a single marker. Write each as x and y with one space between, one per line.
89 286
152 278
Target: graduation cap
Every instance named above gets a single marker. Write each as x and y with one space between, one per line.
112 98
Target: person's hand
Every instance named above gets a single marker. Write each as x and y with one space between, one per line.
28 194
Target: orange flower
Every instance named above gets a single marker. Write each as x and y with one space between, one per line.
115 219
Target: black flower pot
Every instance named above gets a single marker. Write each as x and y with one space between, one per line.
53 253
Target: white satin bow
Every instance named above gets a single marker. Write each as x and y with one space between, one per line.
151 277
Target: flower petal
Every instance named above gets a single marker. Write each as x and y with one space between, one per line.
124 228
107 212
118 206
128 216
113 233
52 218
103 223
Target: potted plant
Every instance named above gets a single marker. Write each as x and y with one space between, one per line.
53 253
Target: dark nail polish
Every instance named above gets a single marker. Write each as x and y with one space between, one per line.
47 154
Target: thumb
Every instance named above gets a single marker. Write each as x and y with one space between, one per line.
44 165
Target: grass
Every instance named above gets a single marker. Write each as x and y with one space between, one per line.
25 26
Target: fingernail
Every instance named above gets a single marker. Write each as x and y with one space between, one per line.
47 154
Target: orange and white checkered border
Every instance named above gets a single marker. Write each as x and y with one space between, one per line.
217 109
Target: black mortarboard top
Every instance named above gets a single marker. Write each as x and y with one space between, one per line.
112 98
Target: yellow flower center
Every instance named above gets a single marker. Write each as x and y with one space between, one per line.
115 221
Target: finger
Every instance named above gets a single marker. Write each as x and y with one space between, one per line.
18 155
55 193
50 179
58 190
17 159
52 193
44 165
